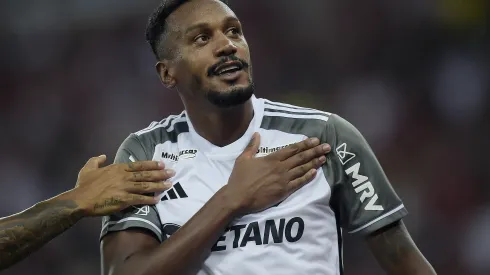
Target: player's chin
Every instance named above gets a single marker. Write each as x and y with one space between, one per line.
231 96
229 88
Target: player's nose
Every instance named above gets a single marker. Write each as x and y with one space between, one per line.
224 47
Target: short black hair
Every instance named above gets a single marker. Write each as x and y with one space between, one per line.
157 24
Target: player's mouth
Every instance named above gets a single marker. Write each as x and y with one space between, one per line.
228 70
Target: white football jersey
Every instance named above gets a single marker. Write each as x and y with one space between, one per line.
300 235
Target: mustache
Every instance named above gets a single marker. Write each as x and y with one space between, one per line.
225 59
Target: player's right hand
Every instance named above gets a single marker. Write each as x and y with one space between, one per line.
258 183
105 190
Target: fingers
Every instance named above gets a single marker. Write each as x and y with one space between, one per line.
306 156
301 181
294 149
144 166
252 147
158 175
134 199
148 187
301 170
95 162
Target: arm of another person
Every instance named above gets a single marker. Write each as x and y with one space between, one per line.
98 191
255 184
367 204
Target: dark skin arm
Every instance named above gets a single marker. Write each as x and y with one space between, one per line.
396 252
26 232
140 253
99 191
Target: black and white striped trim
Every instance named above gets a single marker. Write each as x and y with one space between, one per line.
150 126
385 215
132 220
168 123
286 110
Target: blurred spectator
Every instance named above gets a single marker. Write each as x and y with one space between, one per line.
78 77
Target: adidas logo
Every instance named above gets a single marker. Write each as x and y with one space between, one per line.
175 192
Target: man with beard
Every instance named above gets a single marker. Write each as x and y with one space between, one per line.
261 208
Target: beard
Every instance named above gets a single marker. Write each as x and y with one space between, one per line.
231 98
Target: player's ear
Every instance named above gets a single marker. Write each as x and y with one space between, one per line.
166 73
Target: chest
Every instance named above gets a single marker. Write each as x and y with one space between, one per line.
198 177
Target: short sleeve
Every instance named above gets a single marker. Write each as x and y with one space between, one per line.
140 217
362 196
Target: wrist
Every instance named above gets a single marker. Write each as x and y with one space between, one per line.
230 202
78 208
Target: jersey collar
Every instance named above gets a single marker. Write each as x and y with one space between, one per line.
236 148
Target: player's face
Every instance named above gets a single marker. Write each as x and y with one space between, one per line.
213 56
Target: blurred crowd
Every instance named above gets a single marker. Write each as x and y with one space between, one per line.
77 77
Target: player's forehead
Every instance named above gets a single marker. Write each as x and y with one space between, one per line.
200 12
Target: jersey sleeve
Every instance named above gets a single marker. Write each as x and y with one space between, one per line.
362 196
139 217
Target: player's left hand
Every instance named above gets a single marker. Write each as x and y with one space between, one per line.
258 183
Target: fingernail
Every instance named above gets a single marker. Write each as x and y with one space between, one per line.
161 164
322 159
312 141
170 172
326 148
167 184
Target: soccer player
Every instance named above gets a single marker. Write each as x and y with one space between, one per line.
260 211
98 192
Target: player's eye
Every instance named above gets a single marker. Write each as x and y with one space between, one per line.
201 39
234 31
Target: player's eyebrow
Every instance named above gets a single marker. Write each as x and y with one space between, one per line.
231 19
198 26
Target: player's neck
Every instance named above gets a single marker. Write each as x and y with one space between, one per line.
221 126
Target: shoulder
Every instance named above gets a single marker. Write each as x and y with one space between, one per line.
284 110
306 121
158 132
296 119
164 130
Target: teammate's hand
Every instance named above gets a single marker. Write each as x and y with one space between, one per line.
102 191
258 183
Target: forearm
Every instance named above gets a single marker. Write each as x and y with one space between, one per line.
187 249
23 233
396 252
